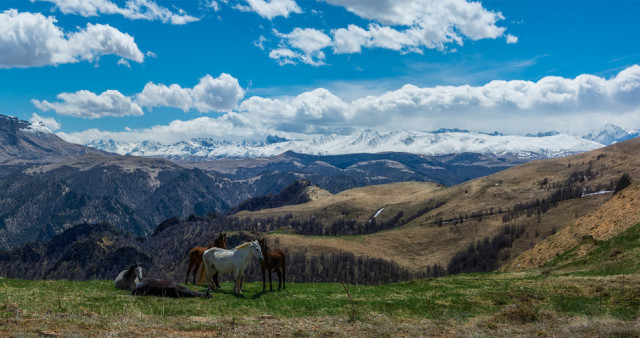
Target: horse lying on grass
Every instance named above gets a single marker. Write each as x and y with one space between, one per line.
127 279
234 260
164 288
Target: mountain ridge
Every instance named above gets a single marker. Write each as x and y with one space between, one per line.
440 142
48 190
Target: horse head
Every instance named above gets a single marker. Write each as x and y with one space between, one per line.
134 270
220 242
265 249
223 240
139 270
256 250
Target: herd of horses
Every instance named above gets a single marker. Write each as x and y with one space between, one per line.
211 261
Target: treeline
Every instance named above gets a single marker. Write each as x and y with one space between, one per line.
313 226
166 256
486 254
336 267
572 187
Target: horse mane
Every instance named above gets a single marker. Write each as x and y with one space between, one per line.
243 245
131 269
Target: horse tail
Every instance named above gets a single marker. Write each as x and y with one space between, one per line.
203 271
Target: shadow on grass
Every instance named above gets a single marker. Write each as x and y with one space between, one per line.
220 291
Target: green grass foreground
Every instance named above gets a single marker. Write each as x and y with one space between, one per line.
574 295
467 304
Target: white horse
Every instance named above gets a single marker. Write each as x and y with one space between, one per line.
129 278
234 260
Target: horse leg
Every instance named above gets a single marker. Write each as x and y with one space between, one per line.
270 286
186 281
263 280
195 273
283 277
279 278
236 281
215 279
209 271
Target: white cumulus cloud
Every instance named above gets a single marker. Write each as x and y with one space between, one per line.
309 112
85 104
31 39
210 94
405 26
231 126
134 9
309 41
270 9
220 94
585 102
159 95
48 122
569 105
512 39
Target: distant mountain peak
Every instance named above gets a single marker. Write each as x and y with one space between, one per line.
22 142
611 133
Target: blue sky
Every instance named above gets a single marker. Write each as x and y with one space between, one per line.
244 69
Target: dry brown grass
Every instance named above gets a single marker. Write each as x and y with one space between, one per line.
550 324
421 243
609 220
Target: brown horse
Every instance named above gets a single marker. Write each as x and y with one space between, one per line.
195 256
273 260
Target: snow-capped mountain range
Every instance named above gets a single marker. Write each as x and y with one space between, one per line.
439 142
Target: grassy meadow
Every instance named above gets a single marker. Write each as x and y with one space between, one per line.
591 290
536 303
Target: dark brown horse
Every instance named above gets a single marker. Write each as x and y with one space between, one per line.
164 288
195 256
273 260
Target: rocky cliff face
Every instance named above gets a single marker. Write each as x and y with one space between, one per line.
10 124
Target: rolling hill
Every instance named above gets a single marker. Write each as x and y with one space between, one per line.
542 197
612 218
416 229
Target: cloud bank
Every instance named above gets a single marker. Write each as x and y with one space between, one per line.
30 40
220 94
553 103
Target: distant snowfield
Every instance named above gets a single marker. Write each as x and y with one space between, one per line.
367 141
